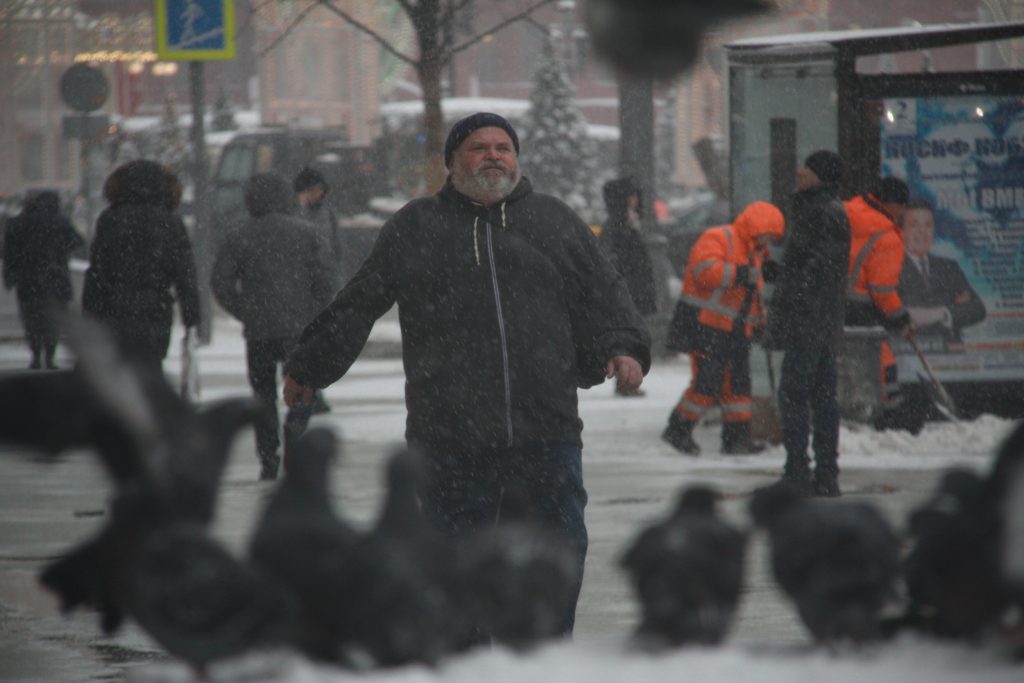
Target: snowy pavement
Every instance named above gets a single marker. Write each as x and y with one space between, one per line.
631 478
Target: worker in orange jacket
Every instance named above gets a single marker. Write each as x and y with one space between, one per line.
876 258
719 310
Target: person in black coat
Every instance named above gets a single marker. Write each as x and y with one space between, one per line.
38 243
621 239
274 275
140 252
806 321
940 300
507 305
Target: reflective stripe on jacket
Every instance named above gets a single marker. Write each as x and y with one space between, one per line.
876 257
710 281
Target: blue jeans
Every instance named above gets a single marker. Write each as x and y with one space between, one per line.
466 486
809 379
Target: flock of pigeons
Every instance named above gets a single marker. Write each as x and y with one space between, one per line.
399 592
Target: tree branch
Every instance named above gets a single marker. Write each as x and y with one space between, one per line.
499 26
381 40
291 27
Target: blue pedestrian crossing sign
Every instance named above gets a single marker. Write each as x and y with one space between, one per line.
195 29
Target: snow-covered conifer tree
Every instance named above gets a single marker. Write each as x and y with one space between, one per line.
557 155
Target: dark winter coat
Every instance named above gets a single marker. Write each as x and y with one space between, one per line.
504 312
274 275
807 304
625 246
140 252
38 243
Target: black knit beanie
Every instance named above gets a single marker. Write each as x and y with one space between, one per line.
827 165
465 127
892 190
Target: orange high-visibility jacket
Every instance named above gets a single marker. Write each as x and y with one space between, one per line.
876 257
710 282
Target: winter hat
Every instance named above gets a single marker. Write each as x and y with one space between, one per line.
463 128
892 191
827 165
309 177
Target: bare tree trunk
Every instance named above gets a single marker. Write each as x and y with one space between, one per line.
434 172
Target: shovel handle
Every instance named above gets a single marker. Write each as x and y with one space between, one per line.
947 401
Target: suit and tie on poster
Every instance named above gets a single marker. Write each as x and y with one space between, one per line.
963 231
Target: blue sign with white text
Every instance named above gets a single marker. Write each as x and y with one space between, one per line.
195 29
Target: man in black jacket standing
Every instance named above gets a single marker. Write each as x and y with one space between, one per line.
507 305
273 275
806 321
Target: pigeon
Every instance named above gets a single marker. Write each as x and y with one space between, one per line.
522 576
954 586
839 561
1005 490
165 459
411 604
658 38
302 543
687 571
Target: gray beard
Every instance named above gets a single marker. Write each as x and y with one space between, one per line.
486 189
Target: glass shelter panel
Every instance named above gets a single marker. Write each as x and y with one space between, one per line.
778 115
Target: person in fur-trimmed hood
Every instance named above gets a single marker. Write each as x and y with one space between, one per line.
507 306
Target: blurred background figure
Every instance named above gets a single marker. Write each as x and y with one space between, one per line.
141 252
621 239
273 275
311 192
37 245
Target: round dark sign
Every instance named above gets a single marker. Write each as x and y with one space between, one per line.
84 88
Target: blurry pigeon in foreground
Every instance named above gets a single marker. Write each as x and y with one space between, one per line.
687 571
410 603
952 570
302 543
837 560
522 576
1005 488
658 38
165 461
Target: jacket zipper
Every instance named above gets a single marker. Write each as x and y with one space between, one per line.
501 334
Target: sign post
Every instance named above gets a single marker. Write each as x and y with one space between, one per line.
197 31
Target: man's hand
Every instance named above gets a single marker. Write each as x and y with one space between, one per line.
627 372
295 393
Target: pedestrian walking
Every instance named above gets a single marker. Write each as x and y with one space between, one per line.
37 245
717 314
311 195
507 305
621 238
805 320
273 275
139 254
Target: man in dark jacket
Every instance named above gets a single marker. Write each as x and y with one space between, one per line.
311 195
806 321
507 305
272 274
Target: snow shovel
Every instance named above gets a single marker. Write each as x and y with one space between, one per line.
943 401
189 367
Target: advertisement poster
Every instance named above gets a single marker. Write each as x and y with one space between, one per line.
963 275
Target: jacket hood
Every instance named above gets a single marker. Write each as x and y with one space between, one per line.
616 195
138 182
268 192
867 217
758 219
45 203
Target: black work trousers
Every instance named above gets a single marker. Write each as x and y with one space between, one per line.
807 394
